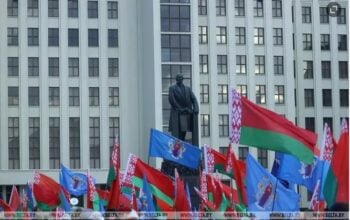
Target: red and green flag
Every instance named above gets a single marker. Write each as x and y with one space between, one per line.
214 161
181 201
46 192
252 125
161 185
114 167
93 200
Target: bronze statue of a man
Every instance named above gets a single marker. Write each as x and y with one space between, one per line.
184 106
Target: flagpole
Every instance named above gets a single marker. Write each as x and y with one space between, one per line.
274 195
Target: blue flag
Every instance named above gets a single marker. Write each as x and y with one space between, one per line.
146 198
168 147
64 202
75 183
29 195
265 192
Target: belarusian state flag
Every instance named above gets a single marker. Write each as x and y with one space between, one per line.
255 126
214 160
93 201
161 185
113 172
46 192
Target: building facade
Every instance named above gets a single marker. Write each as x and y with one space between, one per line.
74 74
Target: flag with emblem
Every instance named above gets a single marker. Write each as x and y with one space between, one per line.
168 147
75 183
252 125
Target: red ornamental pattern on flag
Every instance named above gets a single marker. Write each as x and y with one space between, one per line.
314 203
92 188
24 199
229 165
236 116
115 154
344 126
36 178
203 186
209 159
328 145
130 169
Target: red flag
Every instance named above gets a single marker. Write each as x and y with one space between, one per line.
205 201
116 155
113 201
15 199
181 201
92 195
214 190
315 204
46 190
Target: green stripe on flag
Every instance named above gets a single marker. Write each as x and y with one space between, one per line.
330 188
44 207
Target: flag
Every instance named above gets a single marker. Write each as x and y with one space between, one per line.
255 126
315 204
160 184
75 183
113 201
188 195
336 186
64 201
115 163
214 161
29 195
46 191
93 201
168 147
9 213
133 203
205 201
181 201
103 195
237 169
146 197
265 192
15 199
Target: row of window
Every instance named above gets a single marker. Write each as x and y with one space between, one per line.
54 67
54 37
54 141
306 15
278 66
243 152
325 42
53 9
309 97
54 96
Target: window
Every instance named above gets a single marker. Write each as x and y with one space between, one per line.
241 64
310 123
242 90
94 67
12 36
341 18
243 153
343 69
34 143
260 92
329 121
279 94
176 47
306 14
204 93
325 43
175 18
259 36
278 65
53 35
12 66
32 8
92 9
223 150
73 66
113 67
53 8
223 93
342 42
33 36
94 136
277 36
203 64
324 18
33 66
222 64
13 142
113 131
221 7
223 125
258 8
221 35
112 10
94 96
308 69
262 157
205 125
73 8
259 65
202 7
307 41
327 97
93 37
203 34
33 96
309 97
74 99
239 8
113 96
54 142
240 35
13 96
74 142
112 37
54 66
54 96
73 37
12 8
344 97
276 8
326 69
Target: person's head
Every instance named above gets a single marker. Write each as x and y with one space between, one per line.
179 78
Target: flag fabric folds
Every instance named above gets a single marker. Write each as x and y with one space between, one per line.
64 202
181 201
114 168
146 197
15 199
168 147
252 125
75 183
46 192
265 192
214 160
93 201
